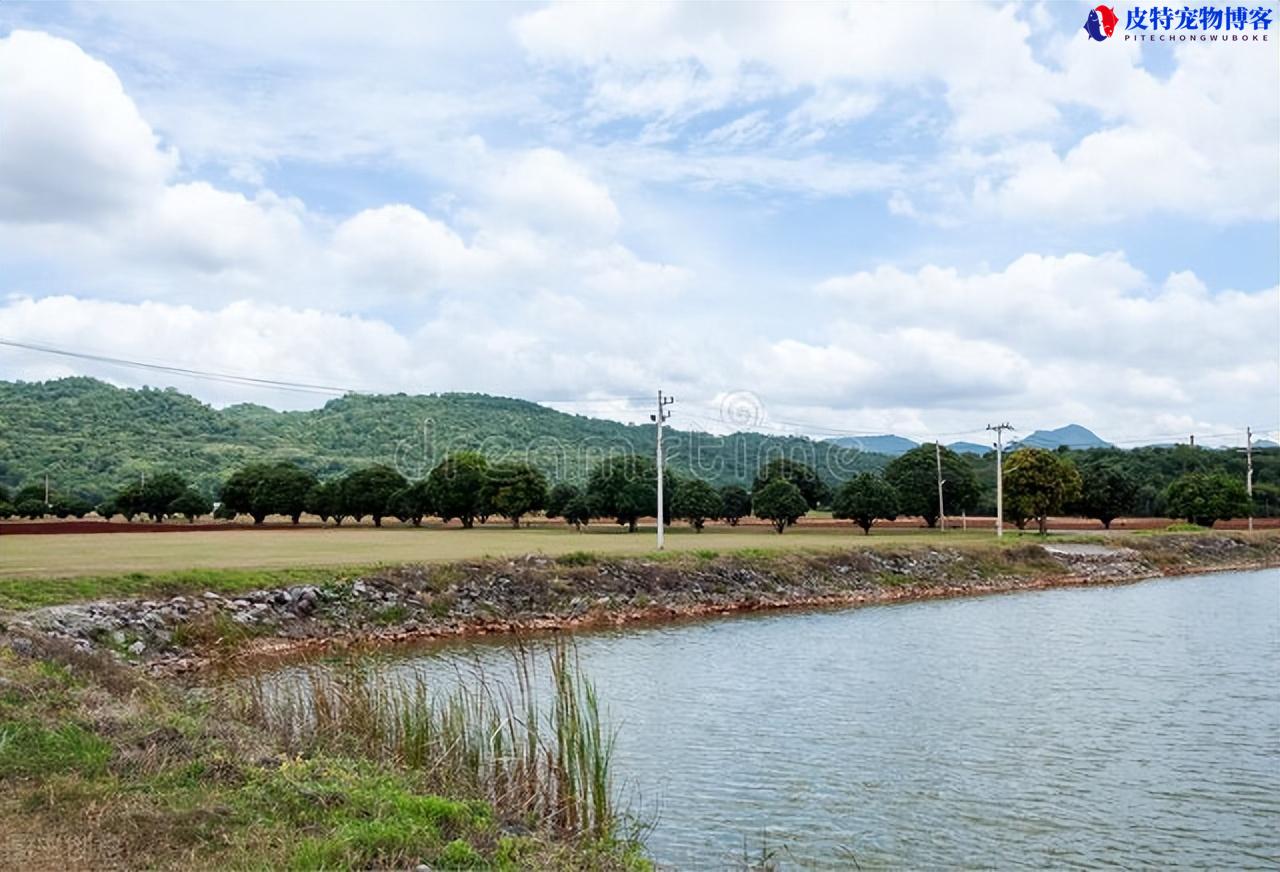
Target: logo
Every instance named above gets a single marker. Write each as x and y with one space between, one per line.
1101 23
1187 24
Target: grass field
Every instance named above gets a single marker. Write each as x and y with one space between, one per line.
72 555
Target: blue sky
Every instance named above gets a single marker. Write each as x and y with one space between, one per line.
867 218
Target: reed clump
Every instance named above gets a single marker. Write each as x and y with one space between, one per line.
532 746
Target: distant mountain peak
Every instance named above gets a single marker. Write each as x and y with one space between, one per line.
1071 435
886 444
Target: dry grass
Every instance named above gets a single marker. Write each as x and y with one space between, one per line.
73 555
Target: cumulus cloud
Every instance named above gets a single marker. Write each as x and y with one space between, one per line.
527 260
1200 142
72 143
1046 341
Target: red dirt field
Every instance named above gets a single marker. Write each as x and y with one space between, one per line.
56 527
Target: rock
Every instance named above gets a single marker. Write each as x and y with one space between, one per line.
137 648
210 595
22 647
117 636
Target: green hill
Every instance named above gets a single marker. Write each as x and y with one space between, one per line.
91 437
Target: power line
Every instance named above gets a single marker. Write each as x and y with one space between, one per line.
605 404
228 378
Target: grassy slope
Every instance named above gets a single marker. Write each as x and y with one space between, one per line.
99 768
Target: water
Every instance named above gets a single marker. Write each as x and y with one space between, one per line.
1131 726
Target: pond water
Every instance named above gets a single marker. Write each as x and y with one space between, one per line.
1135 725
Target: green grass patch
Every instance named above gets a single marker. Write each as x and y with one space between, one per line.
895 579
392 614
29 748
165 779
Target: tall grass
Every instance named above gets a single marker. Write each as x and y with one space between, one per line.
543 762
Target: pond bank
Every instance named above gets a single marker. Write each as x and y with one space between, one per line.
578 591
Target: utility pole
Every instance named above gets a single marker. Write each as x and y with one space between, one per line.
657 419
942 512
47 504
1248 471
1000 428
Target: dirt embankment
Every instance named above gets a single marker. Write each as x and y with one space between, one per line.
580 591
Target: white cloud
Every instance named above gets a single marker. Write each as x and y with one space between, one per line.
399 250
1091 333
543 189
681 59
72 144
538 219
526 260
1045 341
243 338
1200 143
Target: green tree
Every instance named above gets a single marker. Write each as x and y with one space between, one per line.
1038 483
914 475
29 502
802 475
411 504
262 489
191 504
578 512
864 500
458 487
559 497
1203 498
695 501
625 487
569 502
71 507
1107 492
513 489
151 496
367 491
1266 501
780 502
324 500
735 504
283 490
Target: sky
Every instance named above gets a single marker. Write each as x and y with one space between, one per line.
827 219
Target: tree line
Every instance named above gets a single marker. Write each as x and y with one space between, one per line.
468 487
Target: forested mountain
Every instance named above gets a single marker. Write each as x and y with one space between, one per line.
1070 436
91 437
887 444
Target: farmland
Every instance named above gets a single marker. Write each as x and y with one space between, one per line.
31 556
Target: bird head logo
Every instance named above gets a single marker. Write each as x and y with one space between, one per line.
1101 23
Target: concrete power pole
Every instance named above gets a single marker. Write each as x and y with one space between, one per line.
1248 471
942 512
1000 428
657 419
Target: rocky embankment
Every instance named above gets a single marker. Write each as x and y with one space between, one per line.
538 593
